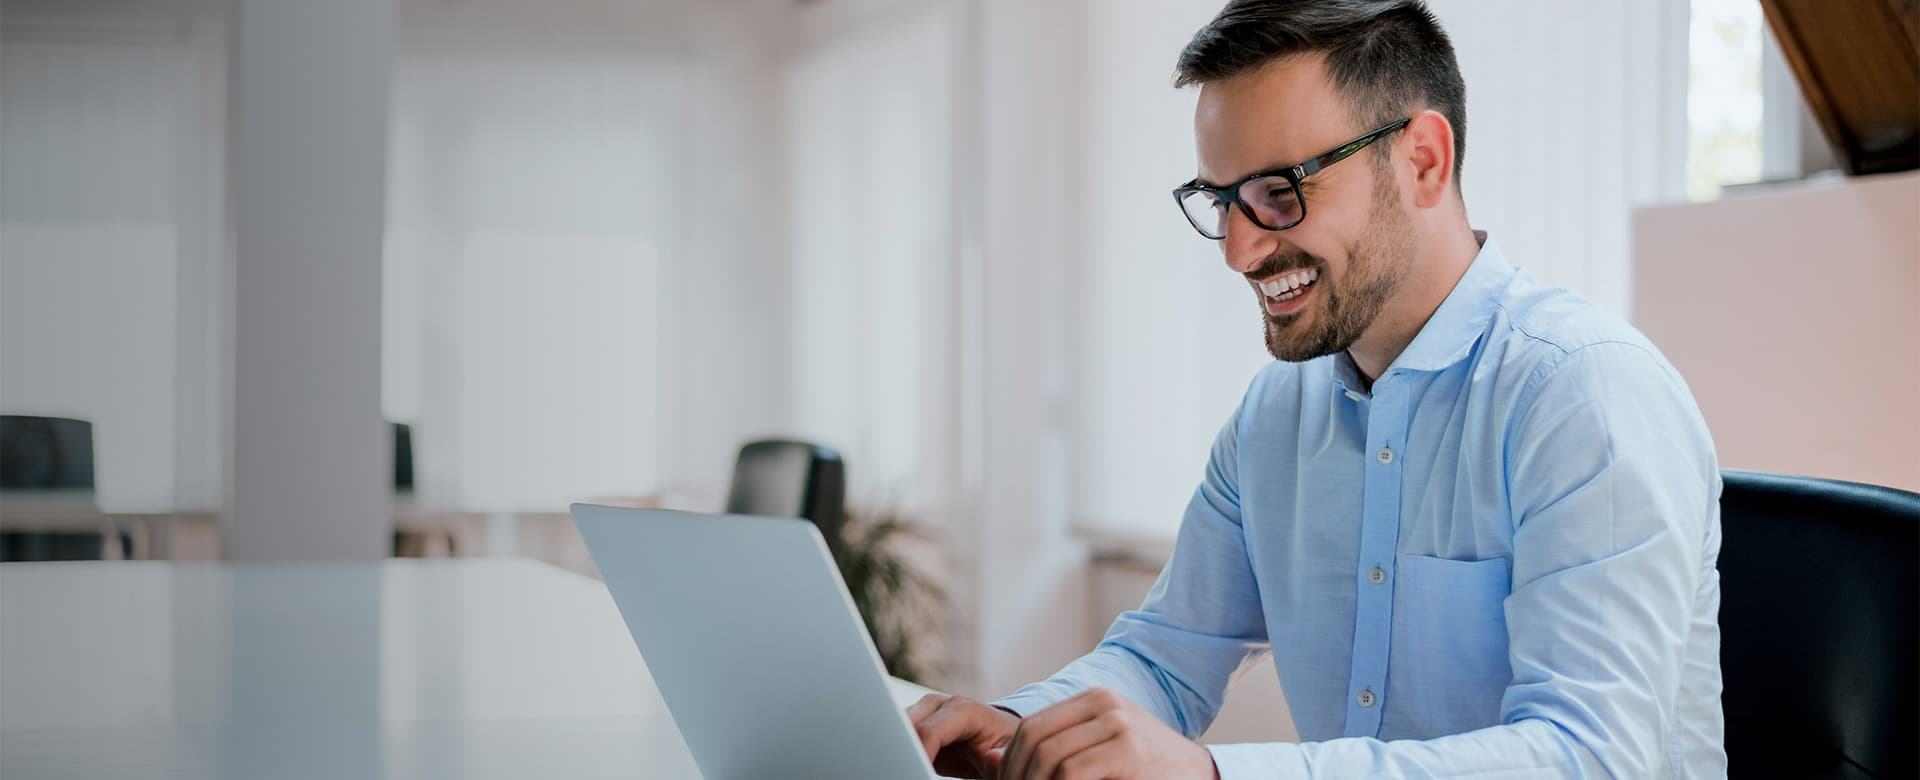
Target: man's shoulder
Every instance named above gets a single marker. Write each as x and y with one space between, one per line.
1538 328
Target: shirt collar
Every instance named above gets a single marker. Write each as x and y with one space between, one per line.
1457 325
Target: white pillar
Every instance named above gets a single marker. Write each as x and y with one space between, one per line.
311 456
1021 262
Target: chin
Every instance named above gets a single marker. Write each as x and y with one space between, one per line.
1284 346
1297 339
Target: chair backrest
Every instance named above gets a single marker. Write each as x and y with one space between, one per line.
1820 596
402 457
50 453
36 546
785 478
45 453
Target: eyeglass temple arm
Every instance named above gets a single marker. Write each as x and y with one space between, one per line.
1314 165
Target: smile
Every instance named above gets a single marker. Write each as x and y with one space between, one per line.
1289 286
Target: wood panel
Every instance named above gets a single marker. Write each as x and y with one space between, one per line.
1858 63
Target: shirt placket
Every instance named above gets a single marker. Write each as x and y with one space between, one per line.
1374 575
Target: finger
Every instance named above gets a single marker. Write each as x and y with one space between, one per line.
938 729
955 724
1046 757
1112 758
1071 712
991 762
925 706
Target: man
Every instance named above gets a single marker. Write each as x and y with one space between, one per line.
1476 520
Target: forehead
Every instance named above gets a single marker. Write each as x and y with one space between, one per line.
1278 115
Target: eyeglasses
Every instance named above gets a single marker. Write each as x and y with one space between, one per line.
1270 199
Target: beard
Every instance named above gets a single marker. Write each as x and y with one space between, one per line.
1377 263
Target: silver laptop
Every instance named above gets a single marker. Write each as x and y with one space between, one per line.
754 644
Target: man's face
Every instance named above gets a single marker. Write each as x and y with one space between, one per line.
1356 244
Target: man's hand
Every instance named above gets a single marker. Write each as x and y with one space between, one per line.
962 737
1099 735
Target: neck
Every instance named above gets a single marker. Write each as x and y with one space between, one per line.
1438 265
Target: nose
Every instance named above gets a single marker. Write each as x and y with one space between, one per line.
1246 244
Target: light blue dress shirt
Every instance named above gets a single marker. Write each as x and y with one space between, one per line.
1499 563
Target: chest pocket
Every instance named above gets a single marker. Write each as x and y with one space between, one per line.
1455 628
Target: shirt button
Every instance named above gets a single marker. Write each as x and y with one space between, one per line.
1365 698
1385 455
1376 575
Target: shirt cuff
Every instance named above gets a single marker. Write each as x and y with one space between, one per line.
1023 704
1259 761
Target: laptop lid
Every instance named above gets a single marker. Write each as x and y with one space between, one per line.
754 644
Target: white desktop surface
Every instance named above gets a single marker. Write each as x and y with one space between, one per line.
465 668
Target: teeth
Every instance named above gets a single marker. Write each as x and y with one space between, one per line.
1285 286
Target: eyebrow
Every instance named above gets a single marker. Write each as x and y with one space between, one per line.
1267 171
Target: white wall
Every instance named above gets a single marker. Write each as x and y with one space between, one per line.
723 325
1576 114
111 241
591 138
868 118
116 238
528 198
587 269
1793 313
75 347
1022 265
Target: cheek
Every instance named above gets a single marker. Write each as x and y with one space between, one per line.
1338 275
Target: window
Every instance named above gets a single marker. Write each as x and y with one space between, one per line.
1724 104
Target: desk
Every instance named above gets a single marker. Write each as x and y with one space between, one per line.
476 668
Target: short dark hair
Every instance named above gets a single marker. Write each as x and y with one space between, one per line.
1388 57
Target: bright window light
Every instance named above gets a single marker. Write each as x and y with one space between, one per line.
1723 95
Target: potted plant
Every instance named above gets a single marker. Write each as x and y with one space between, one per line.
900 605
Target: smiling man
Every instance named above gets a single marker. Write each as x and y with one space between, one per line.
1474 520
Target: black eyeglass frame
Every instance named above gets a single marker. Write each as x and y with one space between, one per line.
1293 174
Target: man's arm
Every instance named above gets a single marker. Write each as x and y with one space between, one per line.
1174 656
1614 486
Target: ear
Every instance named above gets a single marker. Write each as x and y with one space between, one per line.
1428 146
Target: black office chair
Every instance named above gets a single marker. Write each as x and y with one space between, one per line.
784 478
50 455
411 544
1819 600
402 458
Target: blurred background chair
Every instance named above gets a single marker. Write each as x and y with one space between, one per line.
416 533
46 471
786 478
402 459
1820 596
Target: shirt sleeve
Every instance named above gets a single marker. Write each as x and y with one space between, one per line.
1175 654
1615 491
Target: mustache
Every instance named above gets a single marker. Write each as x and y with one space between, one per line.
1283 263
